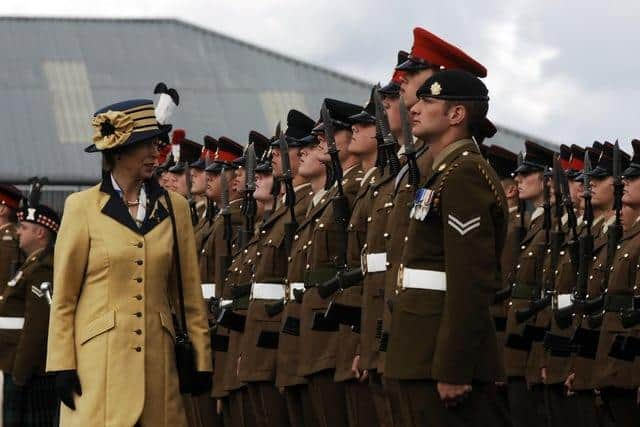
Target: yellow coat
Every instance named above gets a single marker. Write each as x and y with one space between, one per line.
111 317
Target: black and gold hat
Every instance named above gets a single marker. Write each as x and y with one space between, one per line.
122 124
536 158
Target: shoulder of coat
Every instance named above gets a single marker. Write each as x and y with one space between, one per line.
467 163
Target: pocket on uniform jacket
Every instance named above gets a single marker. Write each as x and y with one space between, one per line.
98 326
167 323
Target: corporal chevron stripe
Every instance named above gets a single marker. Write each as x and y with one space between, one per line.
463 227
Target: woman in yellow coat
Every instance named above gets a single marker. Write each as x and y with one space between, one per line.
111 336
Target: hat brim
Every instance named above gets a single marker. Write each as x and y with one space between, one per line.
411 65
633 171
178 168
525 168
199 164
216 166
133 139
264 167
598 172
390 89
363 118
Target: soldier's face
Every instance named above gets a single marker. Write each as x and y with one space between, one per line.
239 180
602 193
391 106
429 117
276 161
198 181
178 183
323 148
310 159
628 216
30 234
575 190
213 187
164 180
631 194
530 185
264 183
343 139
363 139
411 82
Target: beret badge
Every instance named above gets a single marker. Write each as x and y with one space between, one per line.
436 89
111 129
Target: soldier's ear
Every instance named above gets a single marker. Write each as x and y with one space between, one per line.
457 114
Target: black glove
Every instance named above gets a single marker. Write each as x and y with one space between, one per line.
202 383
68 383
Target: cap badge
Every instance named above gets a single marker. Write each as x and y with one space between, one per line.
31 214
436 89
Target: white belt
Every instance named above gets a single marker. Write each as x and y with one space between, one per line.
224 303
413 278
11 322
267 291
208 290
564 300
293 286
374 263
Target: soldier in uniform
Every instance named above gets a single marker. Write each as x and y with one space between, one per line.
580 381
205 207
319 337
442 346
393 195
617 346
214 259
526 409
10 255
29 395
261 335
111 335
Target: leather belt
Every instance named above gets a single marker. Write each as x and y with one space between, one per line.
319 276
208 290
295 286
373 263
413 278
268 291
11 322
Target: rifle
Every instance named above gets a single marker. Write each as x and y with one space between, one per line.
381 158
572 221
386 141
340 203
522 208
249 205
614 235
225 211
290 195
538 305
409 147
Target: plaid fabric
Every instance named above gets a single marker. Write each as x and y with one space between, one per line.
35 405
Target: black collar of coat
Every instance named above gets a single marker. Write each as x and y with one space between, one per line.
117 210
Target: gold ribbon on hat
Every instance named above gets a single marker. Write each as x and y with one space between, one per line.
111 129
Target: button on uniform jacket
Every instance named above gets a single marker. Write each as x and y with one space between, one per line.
318 348
111 317
449 335
23 349
259 363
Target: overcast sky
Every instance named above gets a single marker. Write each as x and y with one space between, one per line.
566 71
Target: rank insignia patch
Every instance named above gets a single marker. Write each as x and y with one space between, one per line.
463 227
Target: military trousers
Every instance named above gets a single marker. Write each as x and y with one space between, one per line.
328 399
240 408
417 403
526 405
32 405
268 405
380 399
621 406
299 407
561 408
361 410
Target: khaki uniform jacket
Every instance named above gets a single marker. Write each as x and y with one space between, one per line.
318 348
111 317
581 366
288 354
23 350
10 254
348 340
380 203
259 363
449 335
623 280
396 226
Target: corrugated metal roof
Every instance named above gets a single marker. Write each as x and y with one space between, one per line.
56 72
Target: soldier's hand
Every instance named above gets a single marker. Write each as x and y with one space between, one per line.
68 384
568 384
543 374
355 368
219 406
452 394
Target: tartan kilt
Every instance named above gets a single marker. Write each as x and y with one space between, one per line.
34 405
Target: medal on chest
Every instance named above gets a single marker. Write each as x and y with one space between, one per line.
14 281
421 204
